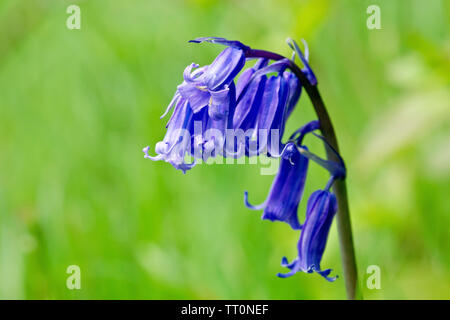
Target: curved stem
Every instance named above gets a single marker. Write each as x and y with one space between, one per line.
339 186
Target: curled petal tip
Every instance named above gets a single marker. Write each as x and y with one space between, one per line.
325 274
147 156
247 204
146 150
252 207
285 275
188 74
154 158
186 166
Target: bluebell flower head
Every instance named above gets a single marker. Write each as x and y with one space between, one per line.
208 103
321 208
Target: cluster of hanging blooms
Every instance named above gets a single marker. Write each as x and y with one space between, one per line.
214 116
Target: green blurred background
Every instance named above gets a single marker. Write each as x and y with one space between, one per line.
78 106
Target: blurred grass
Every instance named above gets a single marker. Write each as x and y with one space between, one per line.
77 106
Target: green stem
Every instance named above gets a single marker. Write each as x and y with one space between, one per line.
339 186
340 189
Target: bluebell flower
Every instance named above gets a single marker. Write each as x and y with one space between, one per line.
209 87
249 102
287 189
208 134
249 98
177 140
321 208
262 107
272 115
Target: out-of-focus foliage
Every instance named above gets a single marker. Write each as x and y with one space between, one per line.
77 106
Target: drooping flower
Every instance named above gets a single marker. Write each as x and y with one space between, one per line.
272 115
250 92
287 188
208 134
321 208
177 140
262 107
248 102
210 86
